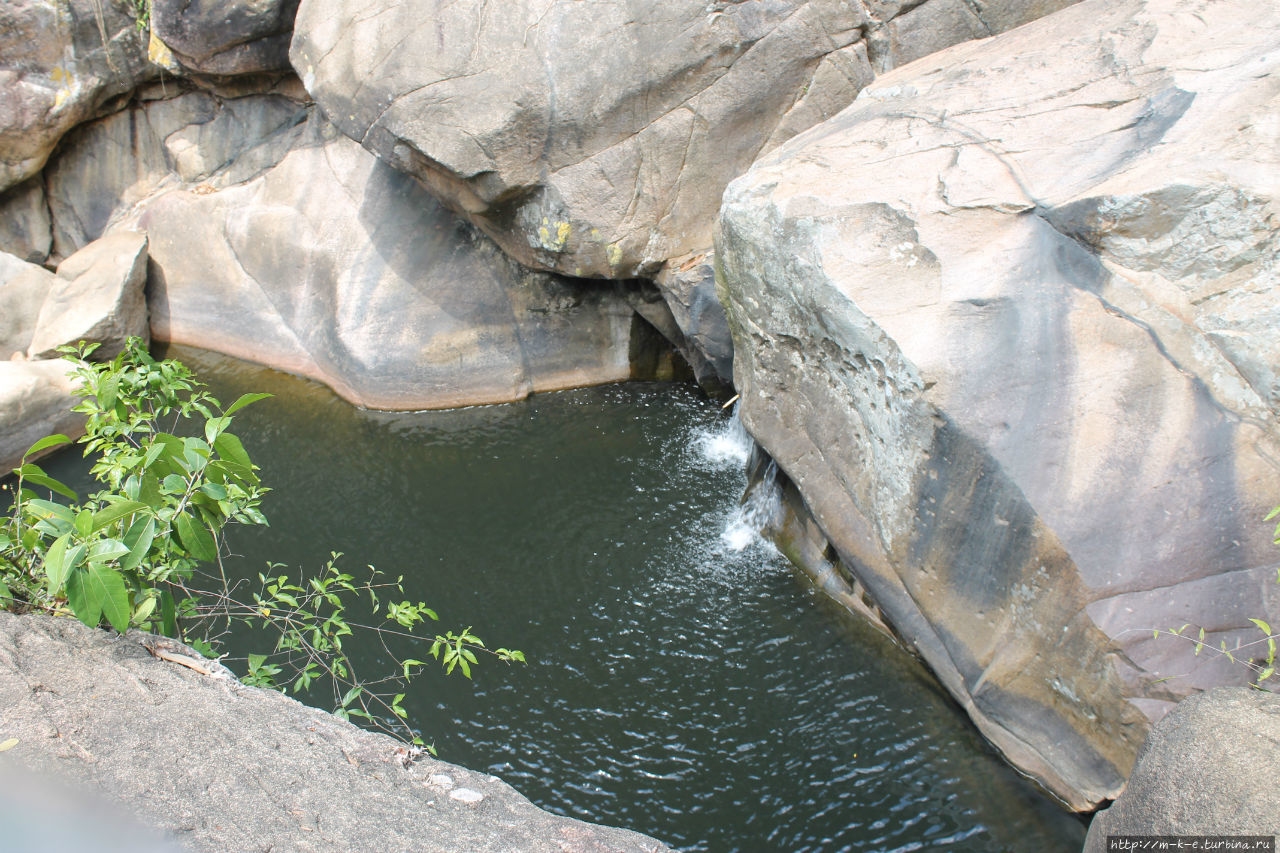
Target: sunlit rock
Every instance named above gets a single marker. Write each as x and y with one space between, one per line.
1008 323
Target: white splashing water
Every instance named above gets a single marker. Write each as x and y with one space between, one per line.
728 445
762 506
725 445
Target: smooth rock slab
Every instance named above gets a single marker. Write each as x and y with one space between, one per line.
1008 324
220 766
332 265
98 296
23 288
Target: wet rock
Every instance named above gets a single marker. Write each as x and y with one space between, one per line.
225 38
688 285
1199 772
1012 350
60 62
585 161
222 766
98 296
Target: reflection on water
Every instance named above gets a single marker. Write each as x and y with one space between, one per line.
682 681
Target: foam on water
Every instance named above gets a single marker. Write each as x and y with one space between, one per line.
723 445
761 507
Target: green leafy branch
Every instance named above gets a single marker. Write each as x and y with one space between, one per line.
135 553
1262 667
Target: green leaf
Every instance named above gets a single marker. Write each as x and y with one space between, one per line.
214 427
1262 626
174 485
215 491
351 696
245 399
144 610
34 474
84 598
47 442
114 597
84 522
229 447
153 453
196 538
39 508
56 566
113 512
138 540
109 391
106 550
168 614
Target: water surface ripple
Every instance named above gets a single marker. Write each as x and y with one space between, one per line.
682 681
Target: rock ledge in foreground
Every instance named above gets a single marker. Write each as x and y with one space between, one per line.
222 766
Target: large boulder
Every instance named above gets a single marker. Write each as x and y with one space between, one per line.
596 140
98 296
225 37
1008 324
60 62
35 401
23 288
1207 768
335 266
275 238
222 766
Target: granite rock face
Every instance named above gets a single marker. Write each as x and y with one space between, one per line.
1007 323
335 266
105 169
219 766
25 227
23 288
60 62
98 296
35 401
225 37
276 239
596 140
1202 771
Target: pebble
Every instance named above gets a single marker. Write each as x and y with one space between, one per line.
466 795
440 780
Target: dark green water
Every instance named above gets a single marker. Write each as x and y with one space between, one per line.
682 681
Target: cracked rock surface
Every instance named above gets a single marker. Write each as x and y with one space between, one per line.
596 139
219 766
60 62
1008 323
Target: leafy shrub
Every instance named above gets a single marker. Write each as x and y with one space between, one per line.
144 550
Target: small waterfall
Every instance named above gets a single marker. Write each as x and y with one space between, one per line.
760 509
728 444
